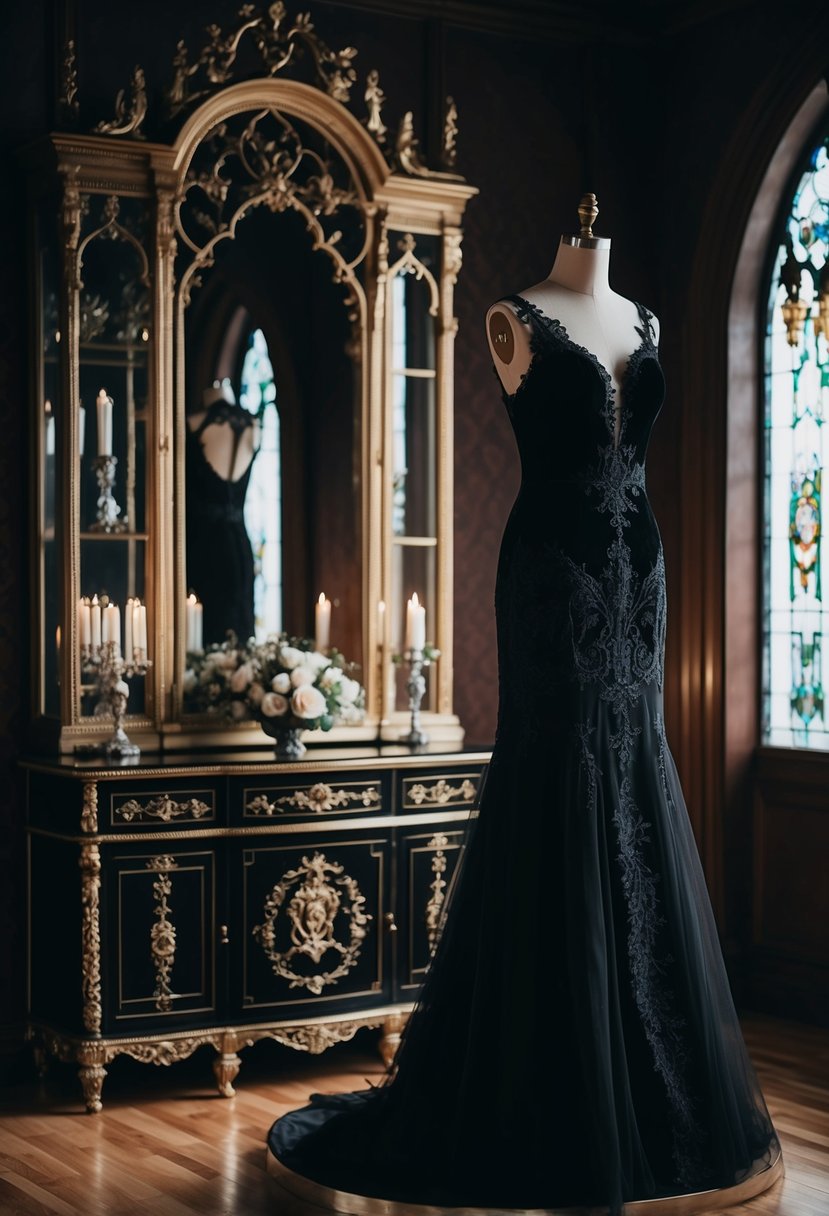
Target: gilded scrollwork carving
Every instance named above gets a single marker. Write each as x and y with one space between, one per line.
278 44
164 808
317 798
89 813
164 1051
437 887
441 792
128 118
407 148
90 863
375 99
316 1038
163 932
68 104
317 893
450 134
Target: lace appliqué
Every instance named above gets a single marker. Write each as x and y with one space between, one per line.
619 479
618 626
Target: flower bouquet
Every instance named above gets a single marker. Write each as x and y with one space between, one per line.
283 683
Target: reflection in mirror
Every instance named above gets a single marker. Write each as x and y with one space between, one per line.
272 440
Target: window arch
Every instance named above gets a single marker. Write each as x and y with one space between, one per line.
795 571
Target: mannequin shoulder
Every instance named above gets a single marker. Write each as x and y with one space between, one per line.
507 333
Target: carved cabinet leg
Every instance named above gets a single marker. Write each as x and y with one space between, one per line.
390 1038
226 1067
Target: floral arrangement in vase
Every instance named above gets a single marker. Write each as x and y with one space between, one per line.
284 683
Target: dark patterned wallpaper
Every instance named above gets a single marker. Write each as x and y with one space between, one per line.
539 123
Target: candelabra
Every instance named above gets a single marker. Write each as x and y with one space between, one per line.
106 519
417 660
112 672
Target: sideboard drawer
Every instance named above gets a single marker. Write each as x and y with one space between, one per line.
274 799
157 805
427 791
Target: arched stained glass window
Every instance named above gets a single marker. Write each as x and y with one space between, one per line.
263 502
796 574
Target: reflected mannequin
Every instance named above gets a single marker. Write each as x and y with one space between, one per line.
222 440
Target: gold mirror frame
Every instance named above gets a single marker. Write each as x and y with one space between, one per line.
400 197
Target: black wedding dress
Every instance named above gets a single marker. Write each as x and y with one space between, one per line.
220 568
576 1043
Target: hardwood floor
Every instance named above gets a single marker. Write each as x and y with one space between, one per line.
167 1145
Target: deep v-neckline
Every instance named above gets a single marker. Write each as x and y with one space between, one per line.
558 333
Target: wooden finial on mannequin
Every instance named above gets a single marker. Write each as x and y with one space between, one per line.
588 210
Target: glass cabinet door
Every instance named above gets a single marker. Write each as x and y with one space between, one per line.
413 304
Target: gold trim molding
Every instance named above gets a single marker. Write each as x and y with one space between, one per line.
318 798
311 911
440 793
164 808
163 932
90 863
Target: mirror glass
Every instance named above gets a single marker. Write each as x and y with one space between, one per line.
272 440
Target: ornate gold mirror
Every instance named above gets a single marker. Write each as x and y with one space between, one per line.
265 295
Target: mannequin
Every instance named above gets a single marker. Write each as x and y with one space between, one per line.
576 293
228 449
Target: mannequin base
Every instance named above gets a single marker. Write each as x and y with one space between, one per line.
324 1198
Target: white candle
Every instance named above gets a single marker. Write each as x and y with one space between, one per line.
198 627
95 623
103 403
139 629
83 623
189 623
381 622
81 429
323 622
50 429
111 626
415 624
128 644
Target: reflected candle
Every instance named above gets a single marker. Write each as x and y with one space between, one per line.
415 624
103 404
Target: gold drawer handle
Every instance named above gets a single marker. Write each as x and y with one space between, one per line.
223 935
391 924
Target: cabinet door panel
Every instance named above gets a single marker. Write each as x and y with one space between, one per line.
162 927
427 862
312 928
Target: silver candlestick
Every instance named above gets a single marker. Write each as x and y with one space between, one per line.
107 513
415 687
112 672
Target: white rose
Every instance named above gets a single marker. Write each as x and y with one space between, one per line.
330 677
301 676
316 660
237 711
241 677
290 657
350 713
274 705
281 682
190 681
308 702
225 660
349 690
255 694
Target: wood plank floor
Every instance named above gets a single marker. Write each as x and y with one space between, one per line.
166 1145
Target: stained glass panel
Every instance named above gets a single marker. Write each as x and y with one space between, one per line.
796 592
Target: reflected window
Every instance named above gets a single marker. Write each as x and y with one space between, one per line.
263 503
796 614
